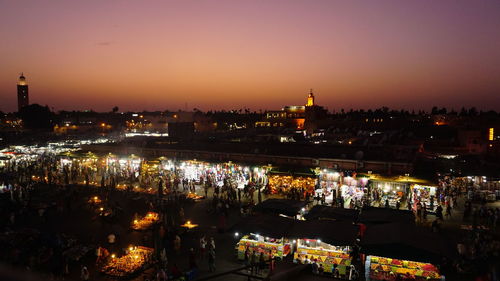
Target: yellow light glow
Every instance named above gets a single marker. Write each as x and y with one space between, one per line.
491 134
113 256
310 99
102 209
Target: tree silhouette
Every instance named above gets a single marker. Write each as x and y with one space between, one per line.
115 109
35 116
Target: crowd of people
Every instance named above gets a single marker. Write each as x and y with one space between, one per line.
165 191
66 181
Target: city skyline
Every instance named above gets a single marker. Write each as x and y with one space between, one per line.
165 55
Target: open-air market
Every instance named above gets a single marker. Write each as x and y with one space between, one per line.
68 212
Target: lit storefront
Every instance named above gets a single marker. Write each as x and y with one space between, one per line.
282 184
388 190
424 194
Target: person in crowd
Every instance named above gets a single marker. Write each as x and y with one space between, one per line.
211 260
203 247
161 275
424 211
164 258
439 212
177 244
246 256
448 211
212 243
335 270
192 259
314 267
321 269
261 262
111 239
435 225
84 274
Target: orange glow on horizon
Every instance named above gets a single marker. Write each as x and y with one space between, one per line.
171 55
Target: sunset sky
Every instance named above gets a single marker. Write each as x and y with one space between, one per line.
261 54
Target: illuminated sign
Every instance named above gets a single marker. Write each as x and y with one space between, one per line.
491 134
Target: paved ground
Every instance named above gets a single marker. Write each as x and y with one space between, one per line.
83 223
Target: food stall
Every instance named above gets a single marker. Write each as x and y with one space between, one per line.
136 259
151 167
396 251
193 170
263 233
353 188
391 190
145 222
328 184
325 242
278 247
285 183
314 250
422 194
379 268
328 179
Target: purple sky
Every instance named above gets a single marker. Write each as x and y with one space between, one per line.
260 54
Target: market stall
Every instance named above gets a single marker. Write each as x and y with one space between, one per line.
328 179
276 247
136 259
263 233
379 268
145 222
328 184
193 170
353 189
424 194
326 242
389 190
285 183
396 250
326 255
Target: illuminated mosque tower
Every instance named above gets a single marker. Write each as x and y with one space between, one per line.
22 93
310 99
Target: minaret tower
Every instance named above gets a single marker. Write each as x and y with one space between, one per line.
310 98
22 93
